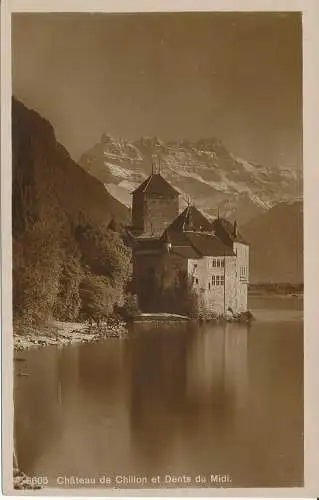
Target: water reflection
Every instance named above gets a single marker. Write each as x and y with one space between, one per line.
158 380
176 399
217 362
37 405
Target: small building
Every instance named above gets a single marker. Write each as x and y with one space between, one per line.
212 253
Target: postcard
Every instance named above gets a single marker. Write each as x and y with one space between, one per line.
160 251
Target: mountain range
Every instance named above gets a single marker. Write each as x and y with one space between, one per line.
276 244
203 170
49 186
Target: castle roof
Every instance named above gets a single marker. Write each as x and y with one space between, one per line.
187 244
225 231
208 244
195 244
191 218
156 184
149 243
186 251
191 235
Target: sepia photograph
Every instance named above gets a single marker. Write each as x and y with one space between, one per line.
157 250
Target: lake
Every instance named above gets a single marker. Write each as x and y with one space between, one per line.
217 405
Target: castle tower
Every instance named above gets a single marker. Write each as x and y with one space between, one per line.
155 205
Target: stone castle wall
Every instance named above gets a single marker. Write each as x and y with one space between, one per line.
242 270
153 213
221 282
138 211
161 265
217 280
231 285
214 280
144 263
159 213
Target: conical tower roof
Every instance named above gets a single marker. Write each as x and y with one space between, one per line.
156 184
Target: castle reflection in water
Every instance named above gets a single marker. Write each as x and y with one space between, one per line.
176 400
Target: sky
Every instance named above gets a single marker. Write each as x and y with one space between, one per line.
235 77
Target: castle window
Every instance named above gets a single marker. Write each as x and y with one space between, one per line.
195 266
243 271
208 286
243 275
214 262
196 281
218 280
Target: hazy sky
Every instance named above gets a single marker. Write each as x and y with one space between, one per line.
237 77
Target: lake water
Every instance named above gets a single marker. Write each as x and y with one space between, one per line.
177 402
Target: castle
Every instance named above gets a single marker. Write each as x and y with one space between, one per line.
212 253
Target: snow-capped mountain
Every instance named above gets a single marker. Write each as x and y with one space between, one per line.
203 170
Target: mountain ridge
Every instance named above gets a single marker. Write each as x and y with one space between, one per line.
39 159
67 230
202 169
276 244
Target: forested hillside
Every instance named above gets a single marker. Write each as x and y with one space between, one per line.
69 259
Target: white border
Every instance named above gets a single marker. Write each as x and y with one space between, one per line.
310 9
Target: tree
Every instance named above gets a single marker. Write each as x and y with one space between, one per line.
97 298
37 264
105 253
68 300
186 300
130 308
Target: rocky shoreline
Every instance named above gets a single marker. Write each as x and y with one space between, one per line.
243 317
62 333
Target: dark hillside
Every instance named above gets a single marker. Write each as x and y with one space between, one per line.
53 199
276 244
47 182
